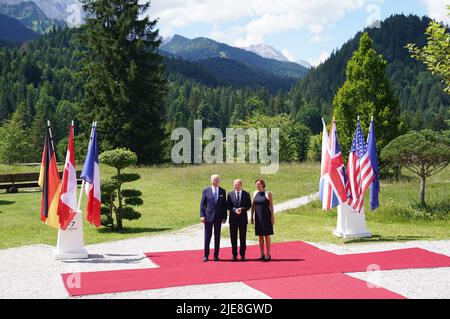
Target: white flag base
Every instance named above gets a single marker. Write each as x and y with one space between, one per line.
351 224
70 241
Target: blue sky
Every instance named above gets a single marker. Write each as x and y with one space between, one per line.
301 29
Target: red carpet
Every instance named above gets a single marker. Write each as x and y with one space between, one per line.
289 260
326 286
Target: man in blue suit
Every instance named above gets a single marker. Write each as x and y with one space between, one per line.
213 213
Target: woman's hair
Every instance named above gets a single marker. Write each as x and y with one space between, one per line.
261 181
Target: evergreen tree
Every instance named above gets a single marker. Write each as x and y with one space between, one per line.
14 147
23 114
119 203
124 77
366 93
37 135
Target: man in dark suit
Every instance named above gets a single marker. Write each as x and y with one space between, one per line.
238 203
213 213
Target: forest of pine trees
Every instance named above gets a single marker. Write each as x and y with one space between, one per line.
42 80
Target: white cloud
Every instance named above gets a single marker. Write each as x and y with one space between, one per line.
322 58
264 16
288 55
437 9
317 38
217 34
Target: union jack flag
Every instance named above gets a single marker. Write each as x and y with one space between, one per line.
360 171
333 181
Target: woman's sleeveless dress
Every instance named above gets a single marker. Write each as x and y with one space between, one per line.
263 220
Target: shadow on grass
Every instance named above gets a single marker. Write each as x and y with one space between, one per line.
381 239
132 230
7 202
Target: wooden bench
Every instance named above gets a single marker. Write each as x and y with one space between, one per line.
13 182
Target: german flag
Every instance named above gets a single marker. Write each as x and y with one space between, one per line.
49 182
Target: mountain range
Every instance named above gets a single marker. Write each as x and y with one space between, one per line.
29 14
201 48
269 52
214 64
54 9
12 31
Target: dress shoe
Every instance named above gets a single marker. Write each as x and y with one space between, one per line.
268 258
205 259
216 258
234 258
243 258
262 258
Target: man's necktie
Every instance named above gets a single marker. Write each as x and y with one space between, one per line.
238 199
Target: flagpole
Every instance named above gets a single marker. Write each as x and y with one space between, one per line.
51 137
84 182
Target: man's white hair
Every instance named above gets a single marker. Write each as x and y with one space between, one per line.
238 181
214 177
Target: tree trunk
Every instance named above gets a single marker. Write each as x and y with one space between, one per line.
422 190
119 220
119 210
111 209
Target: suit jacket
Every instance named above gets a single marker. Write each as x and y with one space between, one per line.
232 206
209 208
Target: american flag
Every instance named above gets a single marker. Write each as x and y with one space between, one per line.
333 180
360 171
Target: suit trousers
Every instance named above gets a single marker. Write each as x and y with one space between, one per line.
238 225
209 226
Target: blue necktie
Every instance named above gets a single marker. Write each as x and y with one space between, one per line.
215 194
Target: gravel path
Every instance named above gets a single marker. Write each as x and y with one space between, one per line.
31 271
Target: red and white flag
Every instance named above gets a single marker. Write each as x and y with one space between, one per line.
67 208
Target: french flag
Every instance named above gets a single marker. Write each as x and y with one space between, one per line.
91 175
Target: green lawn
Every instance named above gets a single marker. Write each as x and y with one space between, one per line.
172 195
397 219
171 200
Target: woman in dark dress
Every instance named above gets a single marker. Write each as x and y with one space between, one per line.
263 217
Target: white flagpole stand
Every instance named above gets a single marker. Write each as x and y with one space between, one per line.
70 241
351 224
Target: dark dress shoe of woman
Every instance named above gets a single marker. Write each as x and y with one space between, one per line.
269 258
262 257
